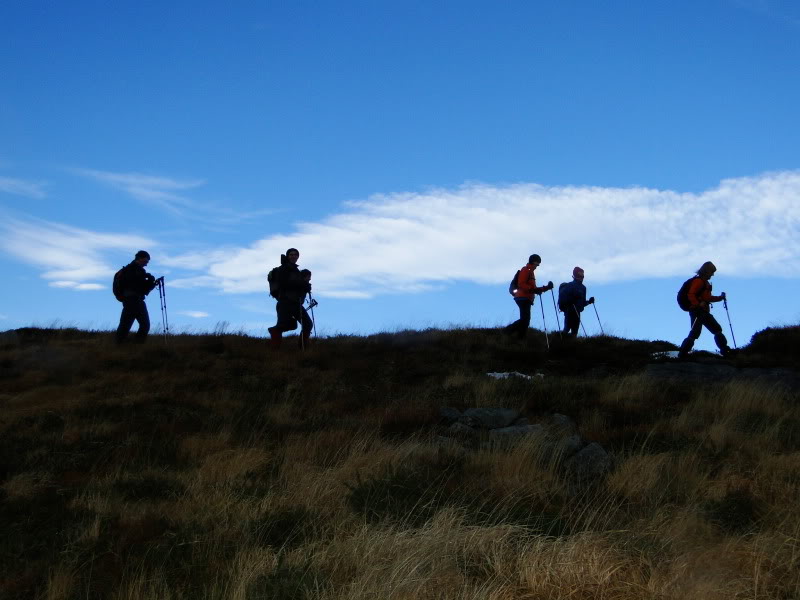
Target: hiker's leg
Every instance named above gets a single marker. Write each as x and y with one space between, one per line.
143 318
524 321
515 326
696 321
714 327
307 323
287 316
572 323
126 319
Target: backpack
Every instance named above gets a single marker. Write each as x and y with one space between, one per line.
117 284
683 294
512 287
274 285
562 306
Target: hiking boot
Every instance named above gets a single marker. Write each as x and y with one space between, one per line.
686 347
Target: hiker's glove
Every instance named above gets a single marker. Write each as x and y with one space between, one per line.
591 300
723 296
549 285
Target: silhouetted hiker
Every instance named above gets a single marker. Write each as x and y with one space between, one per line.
289 286
572 300
696 298
131 284
523 288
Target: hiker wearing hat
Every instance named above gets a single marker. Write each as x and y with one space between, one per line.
131 284
572 300
695 297
289 285
523 291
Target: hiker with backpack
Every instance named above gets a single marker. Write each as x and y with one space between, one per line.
695 297
289 286
523 287
572 300
131 284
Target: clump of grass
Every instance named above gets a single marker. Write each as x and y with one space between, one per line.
148 487
738 511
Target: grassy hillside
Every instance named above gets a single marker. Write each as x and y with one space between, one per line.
214 468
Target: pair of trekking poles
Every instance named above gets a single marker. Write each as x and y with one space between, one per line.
162 297
311 304
575 308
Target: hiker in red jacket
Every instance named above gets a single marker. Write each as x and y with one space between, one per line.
523 296
699 299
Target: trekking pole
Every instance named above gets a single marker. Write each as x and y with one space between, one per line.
594 305
555 310
546 339
577 314
311 304
725 304
162 297
299 318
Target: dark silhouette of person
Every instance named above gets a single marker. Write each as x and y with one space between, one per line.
293 286
572 300
135 284
700 299
523 296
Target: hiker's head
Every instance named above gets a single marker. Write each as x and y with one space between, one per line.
293 254
577 274
142 258
534 260
305 274
707 270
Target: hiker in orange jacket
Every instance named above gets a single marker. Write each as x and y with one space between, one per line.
523 296
700 298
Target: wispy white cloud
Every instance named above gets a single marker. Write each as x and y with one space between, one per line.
411 242
70 257
163 192
21 187
74 285
195 314
170 195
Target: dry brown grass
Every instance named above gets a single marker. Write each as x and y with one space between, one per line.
213 469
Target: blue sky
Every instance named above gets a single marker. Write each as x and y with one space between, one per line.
415 152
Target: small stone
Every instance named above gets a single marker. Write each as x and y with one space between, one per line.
448 414
569 445
459 429
562 424
590 463
491 418
515 431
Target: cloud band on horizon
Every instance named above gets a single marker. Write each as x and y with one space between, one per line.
412 242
